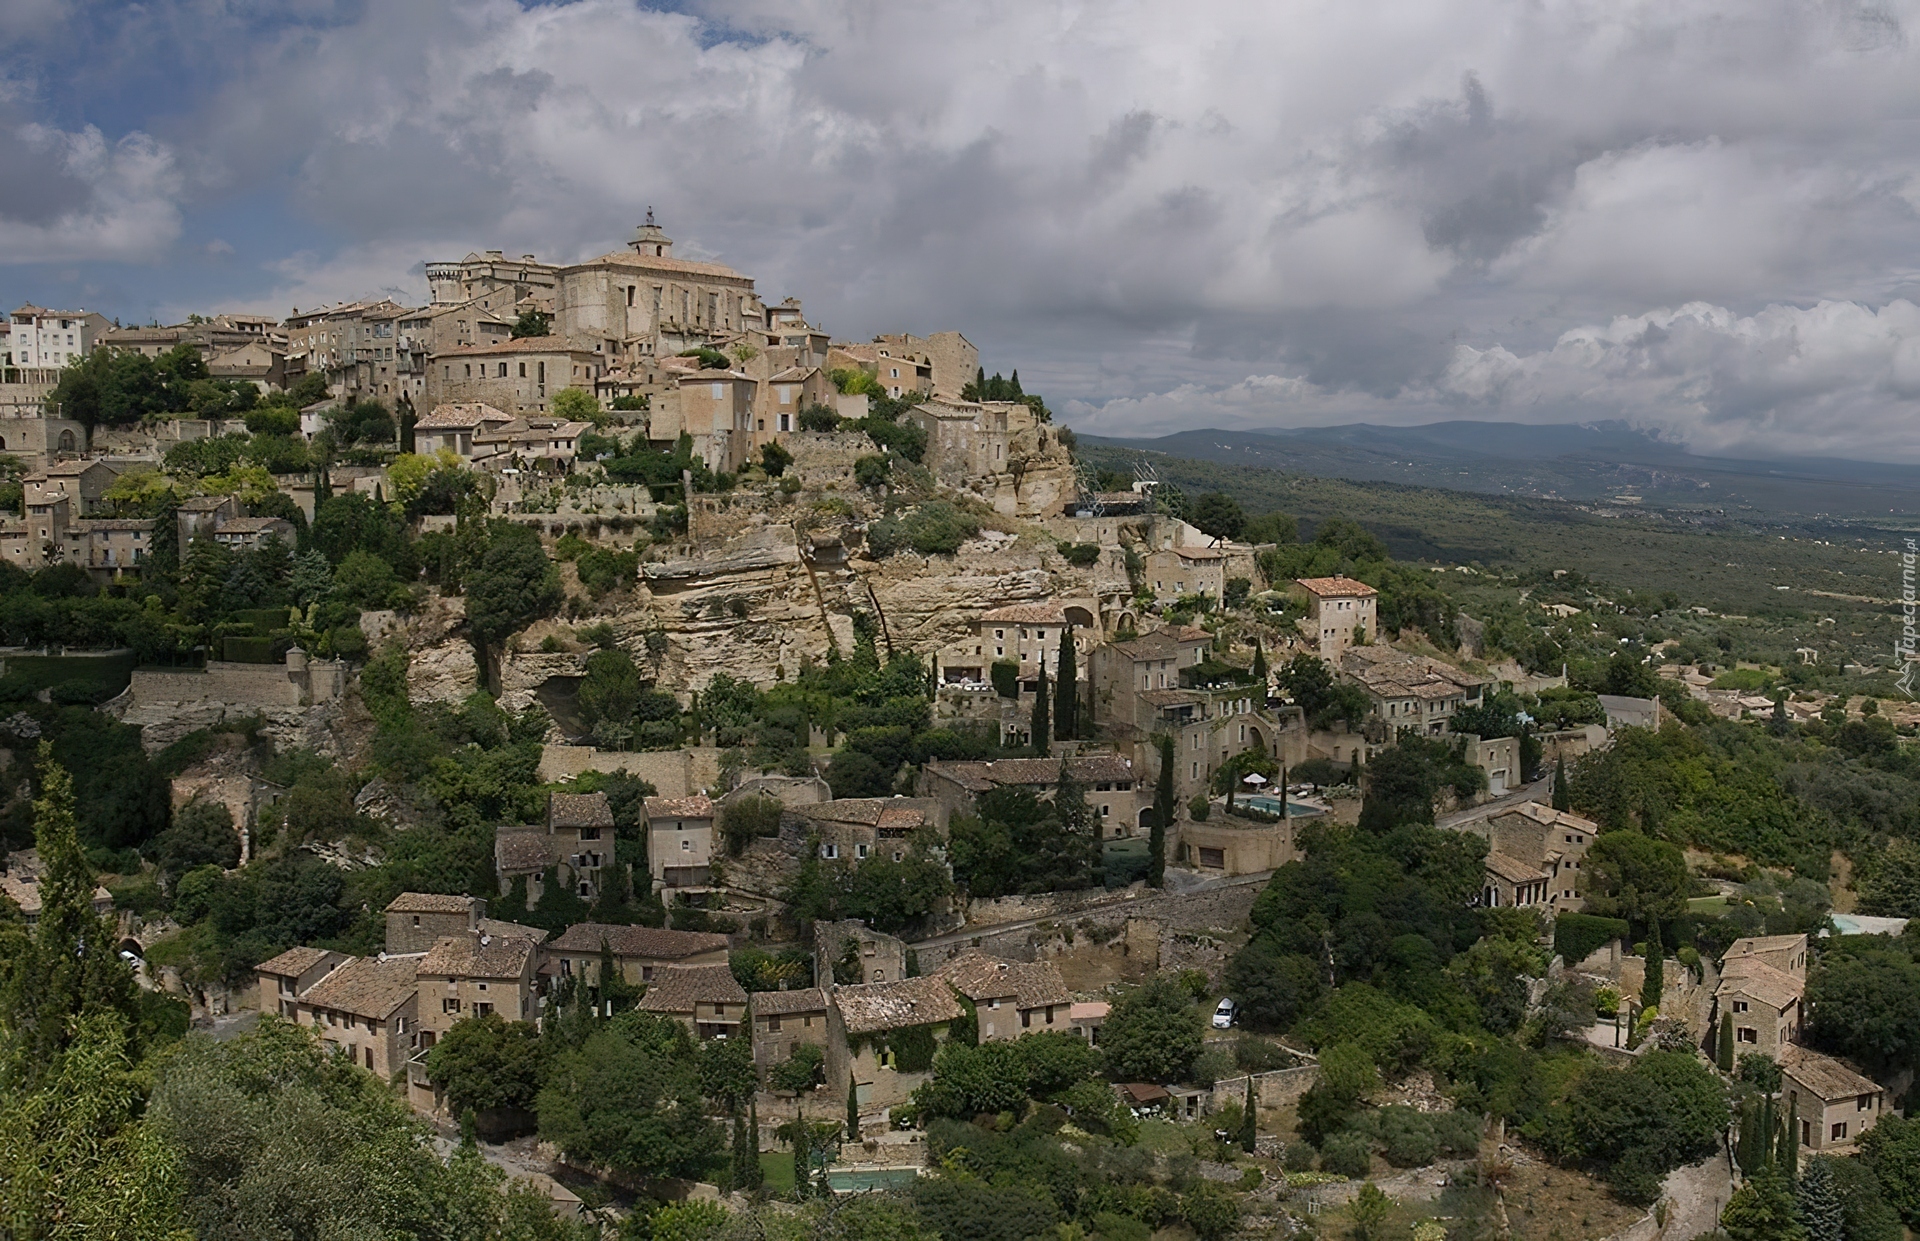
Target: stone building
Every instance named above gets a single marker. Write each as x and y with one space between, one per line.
999 451
459 428
850 952
1539 852
501 281
1836 1102
783 1020
1113 788
640 952
1192 570
282 979
635 302
517 376
1412 693
680 841
416 921
882 1037
576 840
856 828
1340 612
41 338
1010 998
952 359
706 999
366 1006
1762 980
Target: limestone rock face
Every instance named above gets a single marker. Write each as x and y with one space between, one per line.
443 672
162 724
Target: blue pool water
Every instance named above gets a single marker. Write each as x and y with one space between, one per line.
861 1181
1271 805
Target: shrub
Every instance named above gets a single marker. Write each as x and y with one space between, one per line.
1406 1137
775 458
819 418
872 470
1257 1055
1006 678
1211 1066
1080 555
1347 1154
1577 936
1199 808
1458 1133
1298 1157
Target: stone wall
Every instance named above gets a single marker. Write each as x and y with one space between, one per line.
1280 1088
672 773
823 458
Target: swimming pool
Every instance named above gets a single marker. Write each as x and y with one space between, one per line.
862 1180
1271 805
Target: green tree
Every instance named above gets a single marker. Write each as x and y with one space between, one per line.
1163 812
577 405
1866 1006
1636 877
486 1064
1562 800
1066 705
1153 1032
1821 1202
534 322
1041 729
1369 1211
611 690
1763 1210
64 968
1218 514
513 585
629 1098
727 1075
1654 982
1724 1056
76 1159
1640 1123
853 1109
1249 1119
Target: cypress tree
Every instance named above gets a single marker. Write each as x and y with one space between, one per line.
1249 1119
1656 968
802 1157
1040 728
742 1162
1561 799
1745 1152
1066 691
853 1109
1790 1141
1725 1057
1769 1134
1823 1209
1162 816
753 1143
1260 670
1013 384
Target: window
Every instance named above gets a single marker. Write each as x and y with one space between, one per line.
1863 1104
450 1005
483 1010
589 833
523 370
416 919
719 1010
369 1057
629 295
483 986
773 1025
1739 1006
686 845
1840 1131
1747 1034
503 370
829 851
1026 1018
860 851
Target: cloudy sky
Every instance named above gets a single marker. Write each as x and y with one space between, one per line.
1699 215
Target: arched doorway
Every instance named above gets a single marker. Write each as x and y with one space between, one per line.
66 441
1079 618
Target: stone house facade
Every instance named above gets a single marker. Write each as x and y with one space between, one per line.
783 1020
1340 612
706 999
680 841
640 952
1836 1102
882 1037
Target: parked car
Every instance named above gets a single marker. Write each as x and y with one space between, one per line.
1223 1014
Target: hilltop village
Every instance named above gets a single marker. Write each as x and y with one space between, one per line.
713 767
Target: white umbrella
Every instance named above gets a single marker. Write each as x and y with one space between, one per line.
1255 779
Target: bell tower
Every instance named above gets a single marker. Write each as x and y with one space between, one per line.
650 241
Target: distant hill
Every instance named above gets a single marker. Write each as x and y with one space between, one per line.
1585 463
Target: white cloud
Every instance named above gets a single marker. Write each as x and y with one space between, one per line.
123 205
1242 212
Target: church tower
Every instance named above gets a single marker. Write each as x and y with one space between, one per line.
649 240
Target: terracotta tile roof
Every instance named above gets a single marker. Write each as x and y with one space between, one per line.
1171 697
678 989
653 262
579 810
1094 1011
1086 768
1765 943
513 930
460 956
1826 1077
205 504
981 977
779 1003
522 852
292 963
1762 982
656 943
428 903
1027 614
1549 817
695 807
253 525
893 1005
866 811
1336 587
1161 643
793 374
365 986
454 417
1513 870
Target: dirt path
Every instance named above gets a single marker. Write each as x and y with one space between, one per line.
1698 1193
